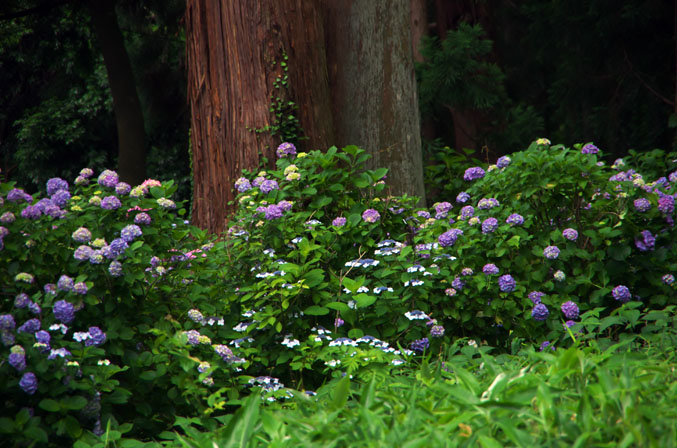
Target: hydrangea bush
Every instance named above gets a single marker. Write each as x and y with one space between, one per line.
120 314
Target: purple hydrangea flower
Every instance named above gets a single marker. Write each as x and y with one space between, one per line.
29 383
502 162
467 212
666 204
370 215
489 225
7 218
30 326
96 337
142 218
338 322
110 203
60 198
490 269
462 197
108 178
589 149
506 283
473 173
420 345
458 284
570 310
18 361
117 247
55 184
442 209
273 212
7 322
544 345
642 205
131 231
80 288
647 241
515 220
423 214
668 279
50 289
64 311
268 185
285 205
570 234
535 297
551 252
122 188
82 235
34 307
243 184
65 283
487 203
540 312
285 149
621 293
31 212
115 268
257 181
43 337
437 331
21 301
18 195
449 237
339 221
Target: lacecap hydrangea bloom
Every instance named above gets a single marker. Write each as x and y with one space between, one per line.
473 173
370 215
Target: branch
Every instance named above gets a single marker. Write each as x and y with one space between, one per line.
46 6
645 84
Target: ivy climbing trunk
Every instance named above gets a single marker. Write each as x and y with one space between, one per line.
373 86
128 114
235 52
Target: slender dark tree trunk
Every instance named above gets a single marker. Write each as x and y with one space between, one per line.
128 113
373 87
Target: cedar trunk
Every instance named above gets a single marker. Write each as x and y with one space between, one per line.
373 87
234 50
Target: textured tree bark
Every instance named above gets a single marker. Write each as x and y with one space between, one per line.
128 114
373 87
234 50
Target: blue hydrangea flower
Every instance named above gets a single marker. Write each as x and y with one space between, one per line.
142 218
339 221
442 209
420 345
268 185
122 188
535 297
18 361
458 284
43 337
559 276
467 212
540 312
666 204
30 326
29 383
80 288
502 162
243 184
108 178
111 203
621 293
20 301
64 311
130 232
449 237
31 212
117 247
96 337
17 195
462 197
7 322
82 235
506 283
570 310
273 212
285 149
551 252
437 331
668 279
60 198
589 149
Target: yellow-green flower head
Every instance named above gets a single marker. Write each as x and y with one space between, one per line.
245 198
262 174
293 176
76 198
492 168
97 192
622 195
99 243
202 339
76 208
638 182
474 221
30 243
291 169
543 141
301 155
94 200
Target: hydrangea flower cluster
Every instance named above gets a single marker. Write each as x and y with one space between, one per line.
285 149
570 310
570 234
370 215
473 173
489 225
642 205
506 283
621 293
645 242
589 149
551 252
449 237
515 220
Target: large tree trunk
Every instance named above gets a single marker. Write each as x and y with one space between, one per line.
128 114
234 55
373 87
